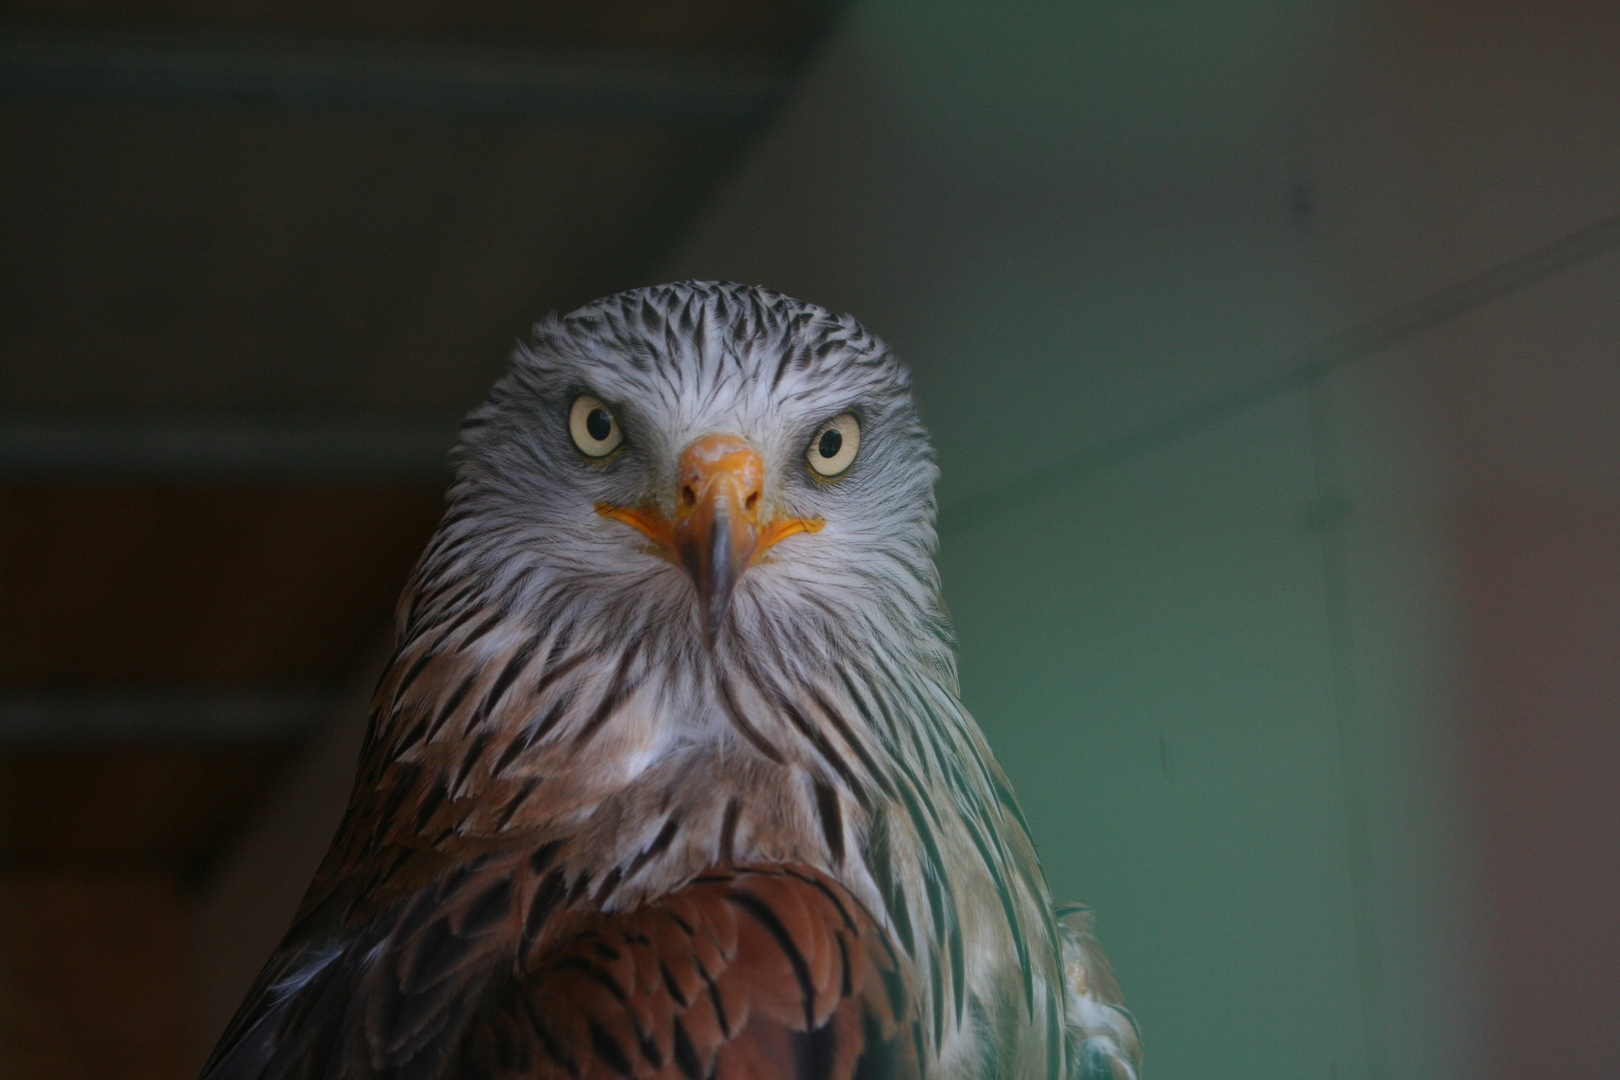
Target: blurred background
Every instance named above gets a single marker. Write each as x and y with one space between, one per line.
1270 347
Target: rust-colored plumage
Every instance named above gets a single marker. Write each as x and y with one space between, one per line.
745 972
668 776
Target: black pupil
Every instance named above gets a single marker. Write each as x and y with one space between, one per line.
832 441
599 425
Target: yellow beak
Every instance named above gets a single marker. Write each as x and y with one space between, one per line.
716 533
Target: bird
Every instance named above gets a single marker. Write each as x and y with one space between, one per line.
669 774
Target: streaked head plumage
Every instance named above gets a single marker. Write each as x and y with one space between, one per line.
675 364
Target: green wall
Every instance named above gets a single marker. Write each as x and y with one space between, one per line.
1212 659
1149 652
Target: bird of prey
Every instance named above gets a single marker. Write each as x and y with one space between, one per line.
669 776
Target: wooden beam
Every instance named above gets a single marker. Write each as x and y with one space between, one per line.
202 447
377 74
102 718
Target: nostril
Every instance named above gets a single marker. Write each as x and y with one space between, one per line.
688 497
752 501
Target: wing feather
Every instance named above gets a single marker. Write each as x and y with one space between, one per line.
1104 1043
746 974
386 996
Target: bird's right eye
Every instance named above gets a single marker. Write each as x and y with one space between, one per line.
594 428
833 446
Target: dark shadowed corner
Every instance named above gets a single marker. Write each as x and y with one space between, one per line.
259 259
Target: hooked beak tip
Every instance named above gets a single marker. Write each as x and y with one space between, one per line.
716 532
715 557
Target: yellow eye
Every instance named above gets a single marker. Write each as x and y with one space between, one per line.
594 427
833 446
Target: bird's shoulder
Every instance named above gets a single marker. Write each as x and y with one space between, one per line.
746 972
501 969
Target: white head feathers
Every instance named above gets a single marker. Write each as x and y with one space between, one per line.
676 363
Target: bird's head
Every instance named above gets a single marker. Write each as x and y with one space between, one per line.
709 461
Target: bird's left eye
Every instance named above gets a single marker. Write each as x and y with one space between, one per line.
594 428
833 446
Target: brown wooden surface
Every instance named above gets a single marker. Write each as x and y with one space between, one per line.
95 983
119 588
155 807
101 846
126 585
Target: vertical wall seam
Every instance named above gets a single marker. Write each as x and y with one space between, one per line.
1332 513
